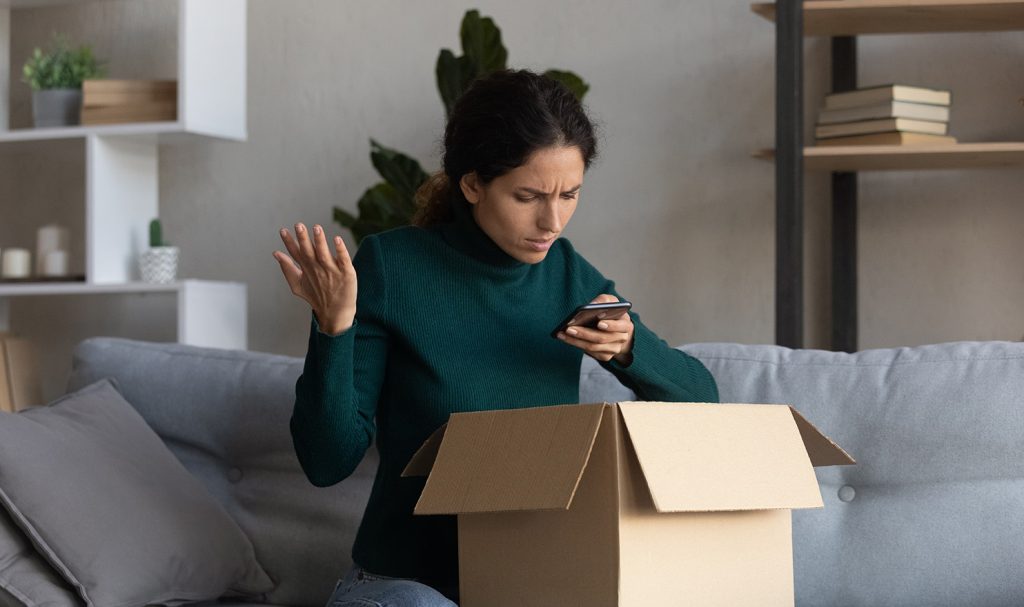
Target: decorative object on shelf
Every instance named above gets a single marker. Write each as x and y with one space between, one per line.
390 204
20 384
17 263
159 263
889 114
52 239
55 264
117 101
56 80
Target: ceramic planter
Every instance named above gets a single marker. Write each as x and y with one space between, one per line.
56 107
159 264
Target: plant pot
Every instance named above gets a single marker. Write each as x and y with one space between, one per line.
56 107
159 264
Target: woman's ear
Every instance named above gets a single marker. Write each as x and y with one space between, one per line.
470 186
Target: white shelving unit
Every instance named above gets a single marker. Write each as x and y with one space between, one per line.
121 168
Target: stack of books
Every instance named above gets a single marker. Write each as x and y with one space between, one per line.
114 101
891 114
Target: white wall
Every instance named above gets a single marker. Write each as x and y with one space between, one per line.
676 210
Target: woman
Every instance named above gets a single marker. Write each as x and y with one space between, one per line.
454 314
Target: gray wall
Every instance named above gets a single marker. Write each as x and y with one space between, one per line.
676 210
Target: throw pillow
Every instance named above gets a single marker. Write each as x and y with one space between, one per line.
25 577
116 514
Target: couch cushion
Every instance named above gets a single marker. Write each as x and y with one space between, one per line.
112 510
225 414
931 515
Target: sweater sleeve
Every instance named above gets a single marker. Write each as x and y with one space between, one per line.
658 372
332 423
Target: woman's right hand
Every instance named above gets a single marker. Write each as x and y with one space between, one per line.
326 281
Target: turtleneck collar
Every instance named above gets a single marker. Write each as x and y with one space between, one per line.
464 234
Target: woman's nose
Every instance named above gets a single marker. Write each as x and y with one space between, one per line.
550 219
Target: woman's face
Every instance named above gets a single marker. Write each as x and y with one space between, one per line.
526 209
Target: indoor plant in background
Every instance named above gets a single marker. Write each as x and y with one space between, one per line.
56 80
390 204
159 263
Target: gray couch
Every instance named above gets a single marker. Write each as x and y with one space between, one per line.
932 515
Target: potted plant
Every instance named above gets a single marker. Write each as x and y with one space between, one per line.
159 263
56 80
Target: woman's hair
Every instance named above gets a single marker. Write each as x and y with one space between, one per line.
498 122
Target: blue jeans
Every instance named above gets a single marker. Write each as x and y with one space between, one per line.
360 588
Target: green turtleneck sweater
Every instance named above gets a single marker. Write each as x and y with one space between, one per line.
446 321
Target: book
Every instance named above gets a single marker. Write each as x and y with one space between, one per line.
20 383
6 401
128 86
887 92
890 138
883 125
889 109
149 112
108 99
100 93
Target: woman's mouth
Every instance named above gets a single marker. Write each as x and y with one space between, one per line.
540 245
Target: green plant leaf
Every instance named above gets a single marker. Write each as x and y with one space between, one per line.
379 210
571 80
403 173
453 76
481 42
61 66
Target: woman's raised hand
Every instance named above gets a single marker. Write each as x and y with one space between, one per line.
324 280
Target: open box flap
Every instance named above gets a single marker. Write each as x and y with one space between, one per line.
820 448
505 460
709 457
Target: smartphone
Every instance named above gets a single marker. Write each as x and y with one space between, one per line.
588 315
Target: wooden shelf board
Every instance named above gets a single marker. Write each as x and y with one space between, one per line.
855 17
81 288
909 157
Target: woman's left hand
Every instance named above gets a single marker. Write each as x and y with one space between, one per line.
613 337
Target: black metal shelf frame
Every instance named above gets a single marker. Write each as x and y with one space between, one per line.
789 189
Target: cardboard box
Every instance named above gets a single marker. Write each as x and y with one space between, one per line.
632 503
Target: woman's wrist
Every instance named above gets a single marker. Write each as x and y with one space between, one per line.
334 324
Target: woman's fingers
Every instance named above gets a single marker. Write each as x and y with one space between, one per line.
305 245
598 351
596 336
322 251
292 272
291 244
342 256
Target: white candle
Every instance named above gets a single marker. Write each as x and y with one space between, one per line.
56 263
17 263
50 238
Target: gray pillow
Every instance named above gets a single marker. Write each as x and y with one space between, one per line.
26 579
116 514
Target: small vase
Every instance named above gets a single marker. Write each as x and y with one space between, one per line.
56 107
159 264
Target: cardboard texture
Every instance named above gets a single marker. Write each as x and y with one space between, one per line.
20 383
633 503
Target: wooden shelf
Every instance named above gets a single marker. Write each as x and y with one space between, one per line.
909 158
855 17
